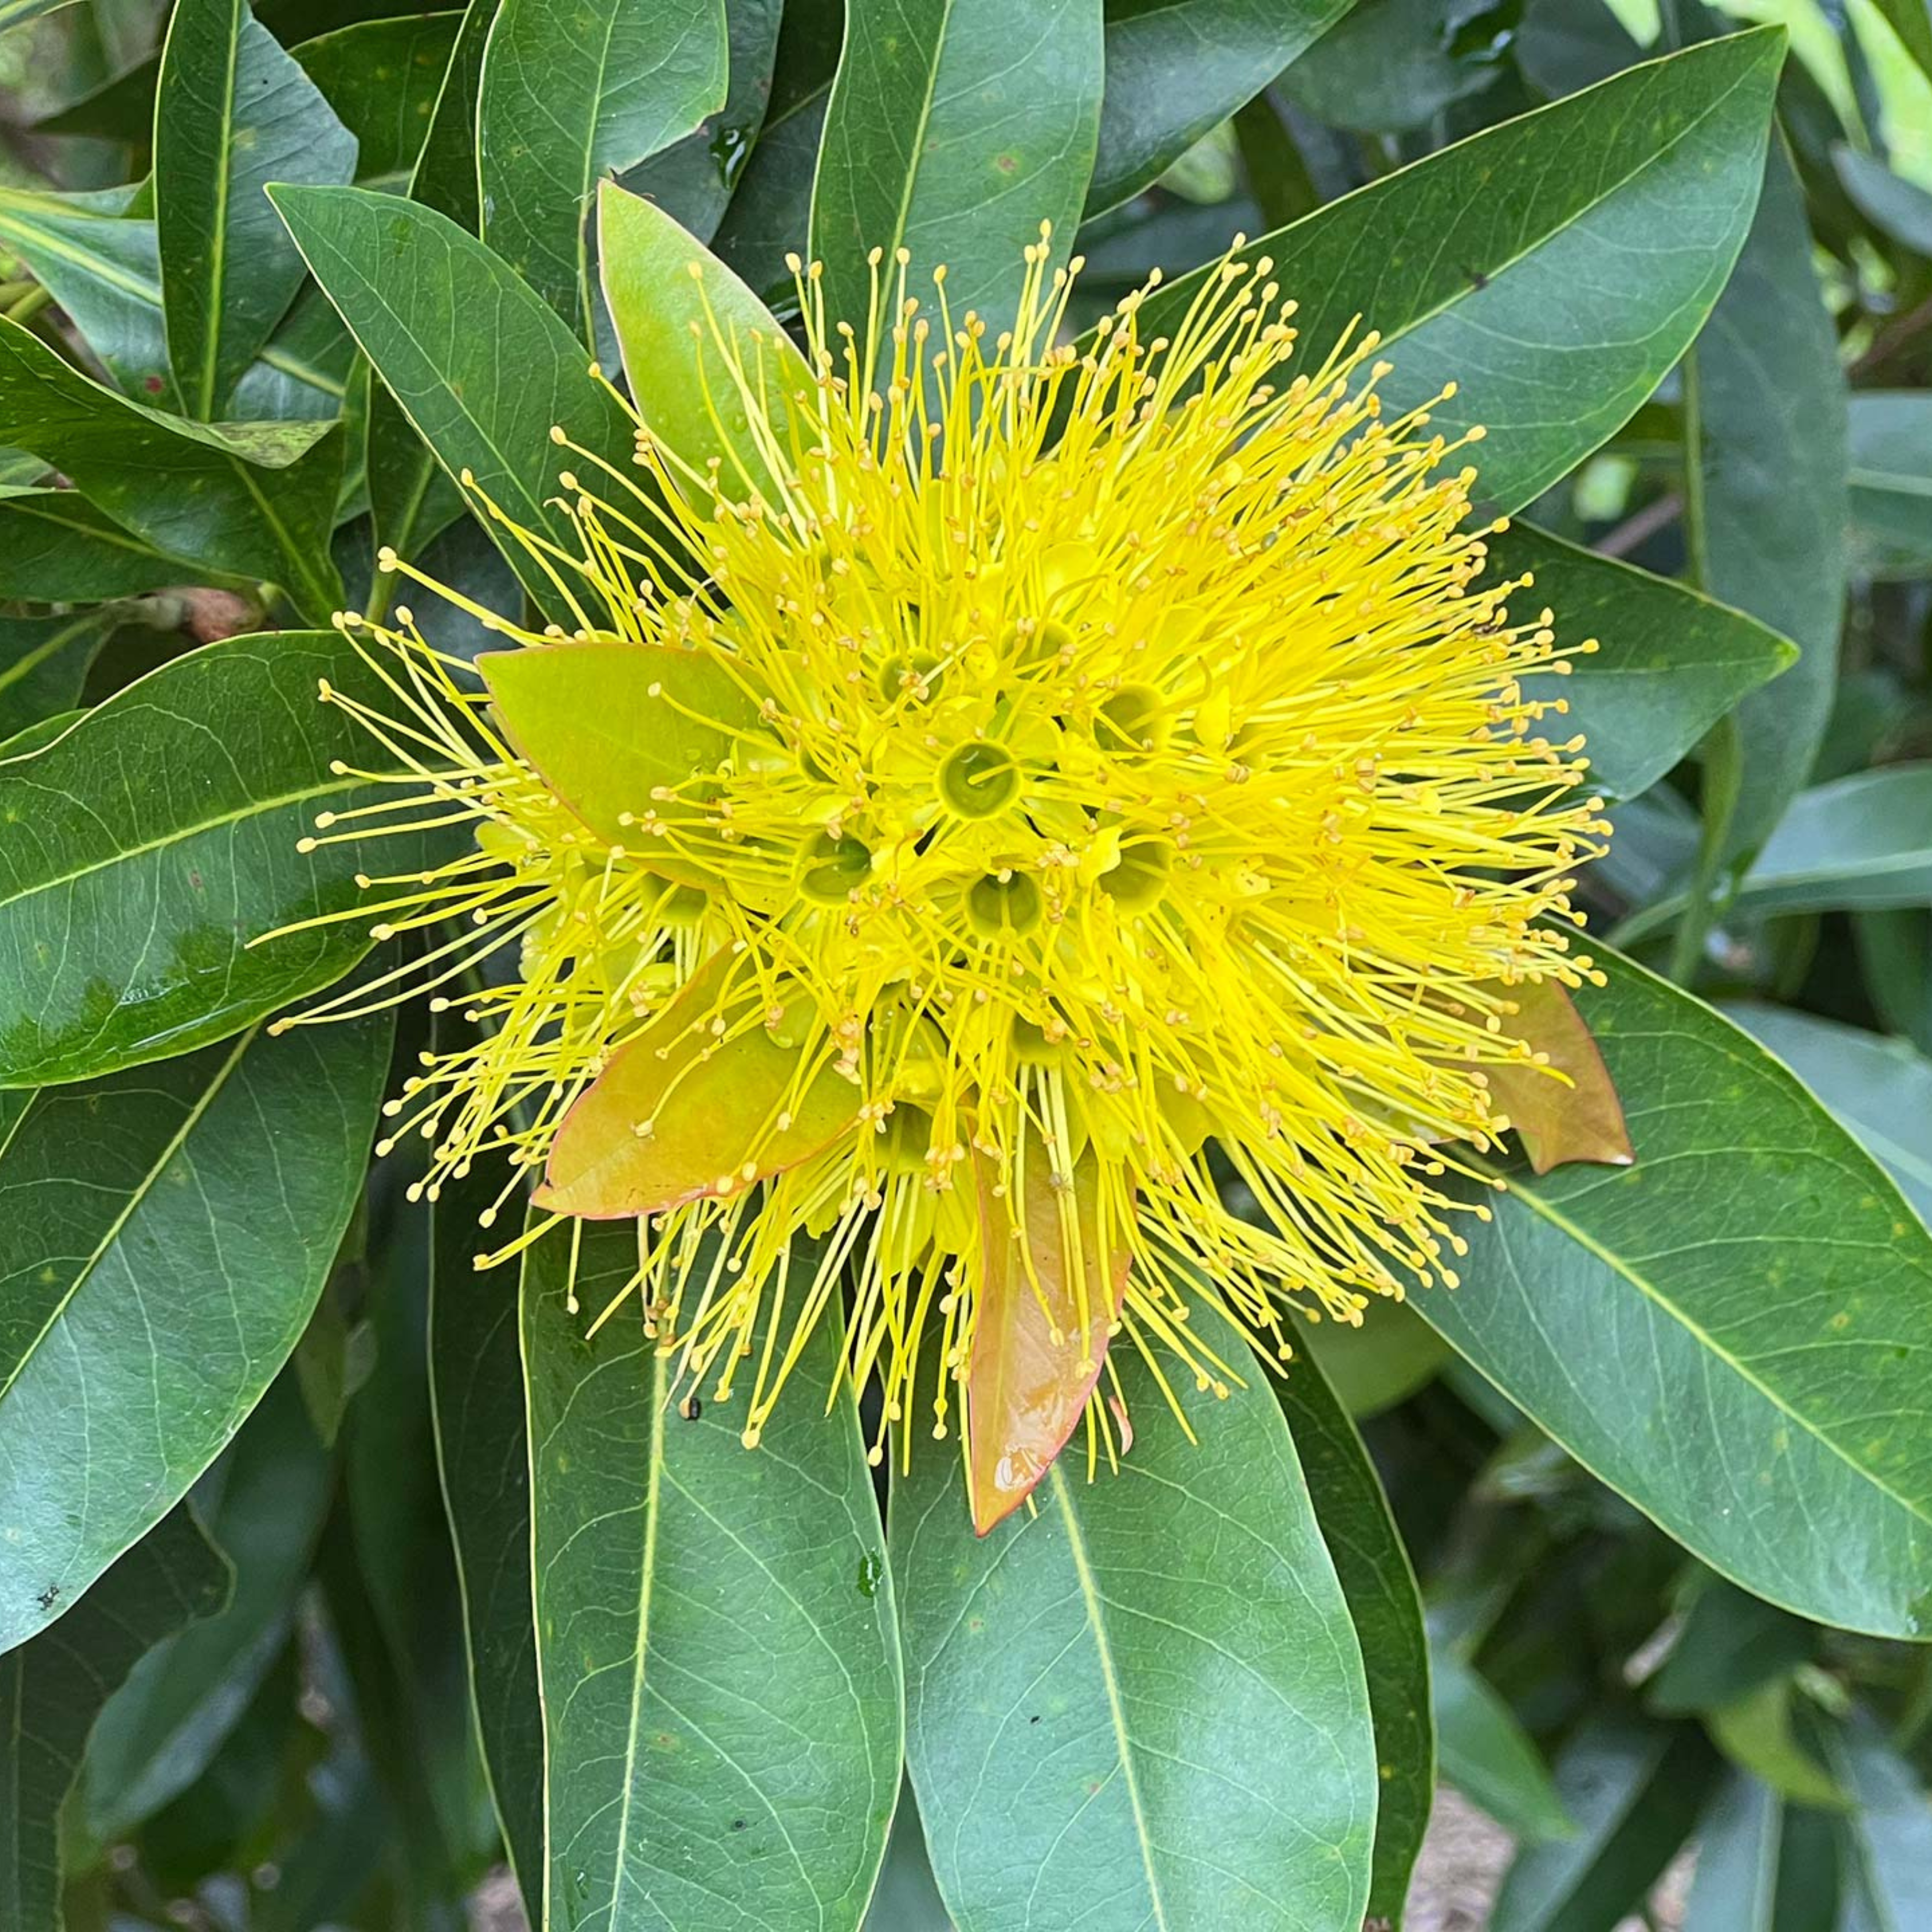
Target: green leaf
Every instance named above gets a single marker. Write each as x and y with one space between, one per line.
18 13
1488 1756
476 1394
1144 1696
1890 479
667 295
174 1226
43 663
1901 210
161 837
1393 65
445 171
1755 1733
1731 1332
54 1687
382 79
694 180
1175 71
907 1899
481 367
55 548
1669 663
1760 1865
1571 253
954 132
715 1629
1379 1585
1864 842
1911 20
1385 1361
1635 1791
1881 1089
1765 506
1730 1644
232 113
570 92
262 1503
256 500
1889 1836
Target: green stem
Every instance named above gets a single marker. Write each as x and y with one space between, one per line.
29 305
1724 776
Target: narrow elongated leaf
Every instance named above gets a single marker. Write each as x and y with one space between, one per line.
445 171
169 1231
1881 1089
1141 1702
481 366
1860 843
1571 253
1911 20
263 1504
476 1393
257 500
145 847
1889 1876
670 300
43 663
1488 1756
1379 1584
1739 1841
1635 1791
1734 1332
715 1631
382 79
232 113
1756 1733
1890 478
1766 507
1175 71
1669 664
954 132
54 1686
55 548
571 92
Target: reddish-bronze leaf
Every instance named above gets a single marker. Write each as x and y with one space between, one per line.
720 1115
1559 1120
1024 1389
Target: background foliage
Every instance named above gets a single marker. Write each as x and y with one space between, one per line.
1634 1532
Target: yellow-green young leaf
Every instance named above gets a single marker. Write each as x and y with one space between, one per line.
1577 1117
1034 1361
675 307
608 725
1755 1732
679 1113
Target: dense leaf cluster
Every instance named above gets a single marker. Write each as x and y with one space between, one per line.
335 1577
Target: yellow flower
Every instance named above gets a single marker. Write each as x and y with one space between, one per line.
1057 827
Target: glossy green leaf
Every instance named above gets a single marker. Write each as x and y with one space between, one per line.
173 1226
1142 1698
1762 1865
715 1630
572 92
954 132
675 307
54 1687
1373 1367
1570 254
1732 1333
255 499
1890 479
149 845
1379 1585
694 180
606 725
262 1503
1175 71
232 113
481 366
476 1393
1862 842
1765 507
382 79
43 663
1485 1753
1881 1089
55 548
1889 1836
1669 664
1635 1791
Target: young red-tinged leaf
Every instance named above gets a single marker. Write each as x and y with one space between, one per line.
1579 1118
676 307
713 1110
609 724
1034 1364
